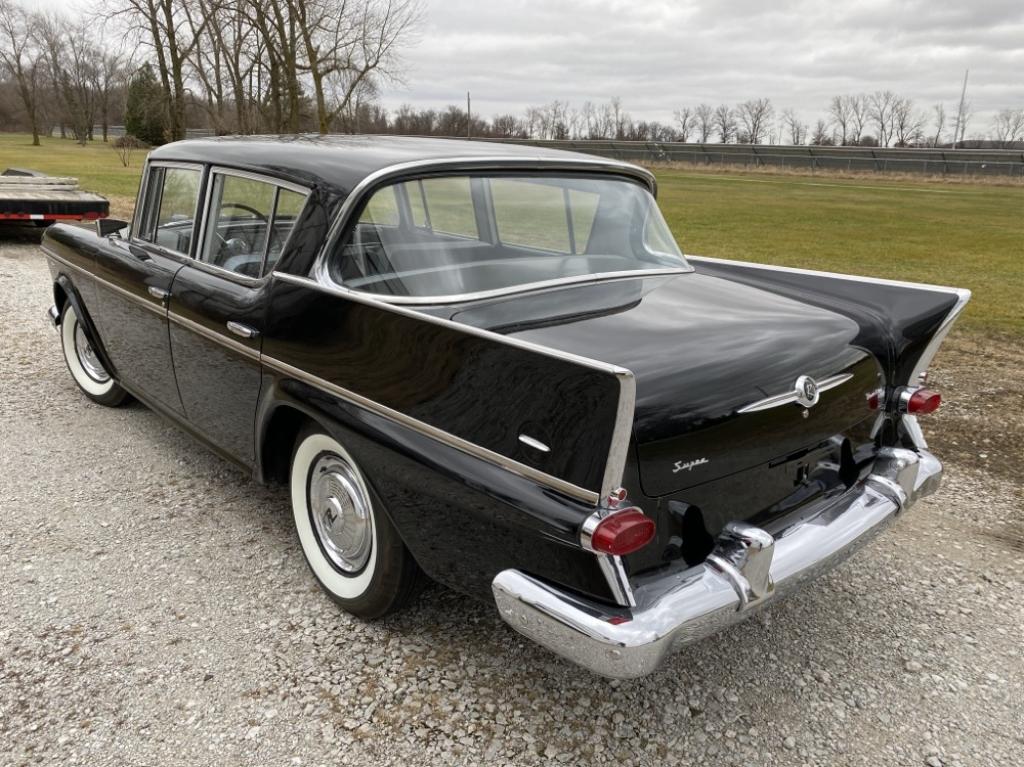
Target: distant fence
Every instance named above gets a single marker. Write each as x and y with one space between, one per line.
972 162
1008 163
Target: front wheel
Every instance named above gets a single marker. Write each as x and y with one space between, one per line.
351 546
85 366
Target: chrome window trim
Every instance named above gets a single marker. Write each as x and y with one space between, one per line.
250 176
455 166
133 236
623 425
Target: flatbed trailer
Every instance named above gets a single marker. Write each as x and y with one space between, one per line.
28 196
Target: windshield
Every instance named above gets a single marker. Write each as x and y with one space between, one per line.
457 236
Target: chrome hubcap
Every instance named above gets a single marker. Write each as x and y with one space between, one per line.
341 513
87 357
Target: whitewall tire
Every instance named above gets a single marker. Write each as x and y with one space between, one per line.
350 545
84 364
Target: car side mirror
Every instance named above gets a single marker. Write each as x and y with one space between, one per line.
110 227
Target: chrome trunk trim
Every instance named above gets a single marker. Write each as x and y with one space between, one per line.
792 396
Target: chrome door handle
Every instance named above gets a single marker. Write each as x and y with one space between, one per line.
158 293
242 330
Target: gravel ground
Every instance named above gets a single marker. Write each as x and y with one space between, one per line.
156 609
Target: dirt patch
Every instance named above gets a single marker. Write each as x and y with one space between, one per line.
981 422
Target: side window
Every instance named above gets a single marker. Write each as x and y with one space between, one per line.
289 206
169 212
239 223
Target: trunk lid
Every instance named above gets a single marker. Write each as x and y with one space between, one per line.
703 350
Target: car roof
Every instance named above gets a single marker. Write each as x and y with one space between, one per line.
342 162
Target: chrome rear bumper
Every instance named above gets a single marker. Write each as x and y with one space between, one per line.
749 567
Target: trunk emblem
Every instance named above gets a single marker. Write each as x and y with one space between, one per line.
807 393
688 466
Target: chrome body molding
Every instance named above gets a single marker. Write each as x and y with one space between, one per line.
622 430
157 308
749 567
53 317
541 478
217 338
794 395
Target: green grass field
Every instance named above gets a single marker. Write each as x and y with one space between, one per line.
950 234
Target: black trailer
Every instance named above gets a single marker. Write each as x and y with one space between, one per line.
30 196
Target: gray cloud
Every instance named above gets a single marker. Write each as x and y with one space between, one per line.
658 56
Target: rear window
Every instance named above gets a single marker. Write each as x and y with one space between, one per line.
445 237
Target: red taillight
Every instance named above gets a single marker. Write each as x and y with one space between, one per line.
623 533
873 400
923 401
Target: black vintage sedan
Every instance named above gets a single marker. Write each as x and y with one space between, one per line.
492 365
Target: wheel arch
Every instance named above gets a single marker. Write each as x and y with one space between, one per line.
64 293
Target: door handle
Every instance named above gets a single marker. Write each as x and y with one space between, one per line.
242 330
158 293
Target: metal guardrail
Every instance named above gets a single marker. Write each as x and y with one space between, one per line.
975 162
1007 163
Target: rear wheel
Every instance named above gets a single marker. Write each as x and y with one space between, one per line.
351 546
84 364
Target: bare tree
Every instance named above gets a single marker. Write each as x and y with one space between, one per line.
725 123
881 106
907 123
840 111
686 122
172 29
705 117
21 56
1008 127
820 136
860 111
755 115
796 128
939 121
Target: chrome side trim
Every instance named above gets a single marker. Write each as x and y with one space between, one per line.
136 299
536 444
791 397
217 338
623 426
752 567
528 472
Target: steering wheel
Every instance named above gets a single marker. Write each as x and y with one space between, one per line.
240 206
247 208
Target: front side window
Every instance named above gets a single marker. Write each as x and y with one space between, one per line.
248 224
461 235
169 210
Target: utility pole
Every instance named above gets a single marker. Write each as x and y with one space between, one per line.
469 117
958 131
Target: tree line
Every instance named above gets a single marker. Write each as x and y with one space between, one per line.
287 66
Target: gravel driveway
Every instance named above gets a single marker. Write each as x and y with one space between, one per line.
156 609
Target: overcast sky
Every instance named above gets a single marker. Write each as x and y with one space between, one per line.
658 56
